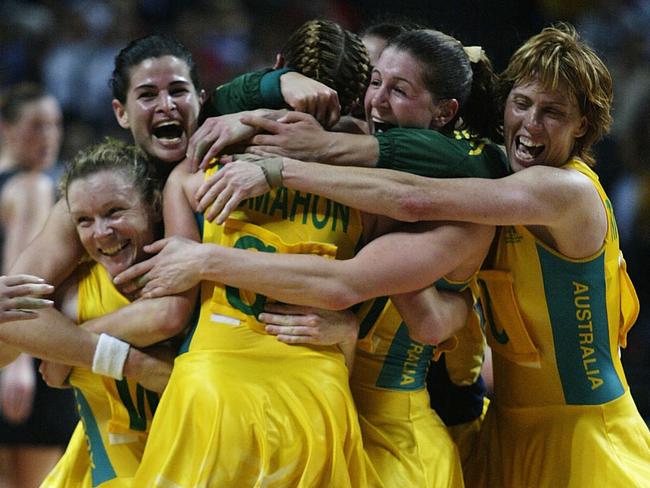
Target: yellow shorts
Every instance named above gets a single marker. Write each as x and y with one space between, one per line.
266 414
407 443
571 446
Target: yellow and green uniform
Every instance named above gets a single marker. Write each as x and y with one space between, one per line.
116 415
242 408
562 414
405 439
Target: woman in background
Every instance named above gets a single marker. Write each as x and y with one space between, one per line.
36 421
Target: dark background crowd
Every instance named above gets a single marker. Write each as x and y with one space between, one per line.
69 46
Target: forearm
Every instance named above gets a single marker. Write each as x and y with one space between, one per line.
383 192
146 322
51 336
378 269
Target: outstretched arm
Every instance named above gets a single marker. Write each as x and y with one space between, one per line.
558 199
429 251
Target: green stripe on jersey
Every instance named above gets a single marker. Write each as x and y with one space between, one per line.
576 301
102 469
406 364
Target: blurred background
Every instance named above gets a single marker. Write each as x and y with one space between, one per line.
69 46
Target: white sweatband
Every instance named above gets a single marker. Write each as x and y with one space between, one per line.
110 356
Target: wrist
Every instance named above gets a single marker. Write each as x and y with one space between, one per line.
110 356
133 363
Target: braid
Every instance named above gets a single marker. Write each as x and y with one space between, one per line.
325 52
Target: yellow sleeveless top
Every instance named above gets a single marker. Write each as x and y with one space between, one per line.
554 323
285 221
116 414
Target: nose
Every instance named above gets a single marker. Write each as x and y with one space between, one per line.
166 102
379 97
533 121
102 228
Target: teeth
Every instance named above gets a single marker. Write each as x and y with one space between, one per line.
111 251
168 123
528 142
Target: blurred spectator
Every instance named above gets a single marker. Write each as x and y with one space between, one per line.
35 421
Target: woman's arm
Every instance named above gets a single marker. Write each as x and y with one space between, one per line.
399 262
558 199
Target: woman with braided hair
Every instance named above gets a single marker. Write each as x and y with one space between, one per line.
322 70
322 50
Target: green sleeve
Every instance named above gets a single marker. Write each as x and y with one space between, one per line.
258 89
433 154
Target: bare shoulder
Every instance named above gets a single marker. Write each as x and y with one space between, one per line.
183 180
29 185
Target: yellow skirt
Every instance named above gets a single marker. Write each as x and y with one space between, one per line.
263 414
407 443
571 446
73 469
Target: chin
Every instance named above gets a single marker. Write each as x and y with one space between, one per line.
170 156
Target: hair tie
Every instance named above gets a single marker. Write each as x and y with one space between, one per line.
473 53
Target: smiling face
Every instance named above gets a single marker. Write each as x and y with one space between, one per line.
35 137
397 94
541 126
162 107
111 218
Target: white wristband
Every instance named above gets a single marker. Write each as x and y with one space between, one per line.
110 356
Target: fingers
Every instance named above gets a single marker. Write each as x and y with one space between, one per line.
155 292
214 197
11 315
21 308
266 150
28 303
27 289
202 148
293 334
21 279
333 116
295 117
261 123
208 191
304 320
135 271
157 246
228 208
212 153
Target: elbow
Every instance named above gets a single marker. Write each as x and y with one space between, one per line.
425 335
429 331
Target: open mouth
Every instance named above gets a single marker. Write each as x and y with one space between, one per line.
527 149
381 126
170 131
112 251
